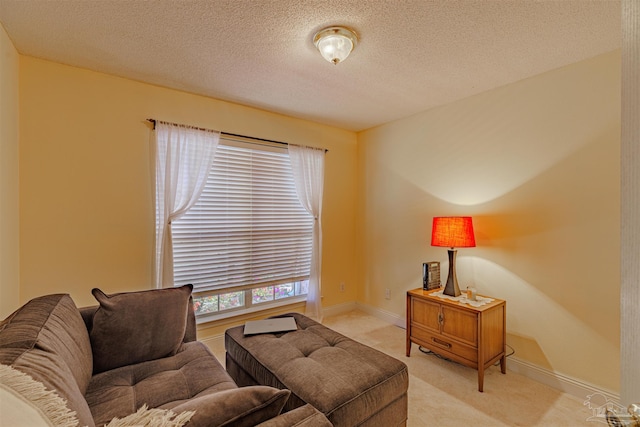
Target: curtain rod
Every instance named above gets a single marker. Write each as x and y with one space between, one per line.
226 133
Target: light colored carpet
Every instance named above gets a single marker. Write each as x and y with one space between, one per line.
443 393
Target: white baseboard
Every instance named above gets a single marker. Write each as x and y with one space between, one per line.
210 340
334 310
564 383
388 316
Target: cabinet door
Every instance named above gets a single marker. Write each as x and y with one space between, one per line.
460 324
425 314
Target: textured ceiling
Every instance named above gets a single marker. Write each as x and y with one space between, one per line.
413 55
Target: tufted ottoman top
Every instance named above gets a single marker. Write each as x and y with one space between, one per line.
347 381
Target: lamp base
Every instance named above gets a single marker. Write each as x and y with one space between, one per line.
451 288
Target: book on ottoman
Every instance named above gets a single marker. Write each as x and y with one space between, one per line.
276 324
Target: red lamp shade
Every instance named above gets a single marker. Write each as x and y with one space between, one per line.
453 232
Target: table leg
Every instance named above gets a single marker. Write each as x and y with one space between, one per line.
408 325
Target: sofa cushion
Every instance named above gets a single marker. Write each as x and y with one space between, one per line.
134 327
47 339
302 416
239 407
168 382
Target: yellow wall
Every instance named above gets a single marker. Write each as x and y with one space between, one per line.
536 163
86 192
9 176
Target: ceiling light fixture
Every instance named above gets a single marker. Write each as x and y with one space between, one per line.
335 43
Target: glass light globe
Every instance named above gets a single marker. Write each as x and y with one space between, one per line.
335 48
335 43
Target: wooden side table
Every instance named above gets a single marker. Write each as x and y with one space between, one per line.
472 336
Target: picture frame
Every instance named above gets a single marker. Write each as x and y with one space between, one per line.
431 275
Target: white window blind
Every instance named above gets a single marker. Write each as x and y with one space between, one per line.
248 227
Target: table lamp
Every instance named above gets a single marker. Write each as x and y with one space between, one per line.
452 232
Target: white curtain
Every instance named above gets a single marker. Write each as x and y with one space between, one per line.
308 173
183 159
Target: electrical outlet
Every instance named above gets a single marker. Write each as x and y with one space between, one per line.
341 286
387 294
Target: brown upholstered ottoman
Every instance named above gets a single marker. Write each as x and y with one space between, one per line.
352 384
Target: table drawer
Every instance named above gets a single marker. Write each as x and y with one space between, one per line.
439 342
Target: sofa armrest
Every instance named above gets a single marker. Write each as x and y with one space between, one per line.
302 416
189 335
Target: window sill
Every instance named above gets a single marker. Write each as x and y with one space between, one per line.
212 317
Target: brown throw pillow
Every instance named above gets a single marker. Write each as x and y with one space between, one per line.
238 407
134 327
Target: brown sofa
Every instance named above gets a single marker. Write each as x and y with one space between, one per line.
135 349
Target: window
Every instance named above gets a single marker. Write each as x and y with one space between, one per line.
247 241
